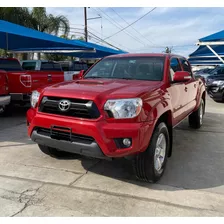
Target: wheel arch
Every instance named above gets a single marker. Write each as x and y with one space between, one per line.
166 117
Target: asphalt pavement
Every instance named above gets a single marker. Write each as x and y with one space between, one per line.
35 184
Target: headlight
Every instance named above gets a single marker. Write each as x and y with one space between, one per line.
219 83
34 98
124 108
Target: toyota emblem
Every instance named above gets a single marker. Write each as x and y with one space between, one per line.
64 105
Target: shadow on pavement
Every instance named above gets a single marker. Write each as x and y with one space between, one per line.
196 163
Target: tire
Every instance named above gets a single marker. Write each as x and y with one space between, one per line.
196 118
145 164
51 151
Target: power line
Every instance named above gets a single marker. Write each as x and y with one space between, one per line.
131 23
94 36
137 31
119 27
72 28
110 40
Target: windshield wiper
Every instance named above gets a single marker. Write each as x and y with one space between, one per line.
125 78
94 77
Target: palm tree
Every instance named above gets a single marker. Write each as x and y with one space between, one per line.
37 19
48 23
18 15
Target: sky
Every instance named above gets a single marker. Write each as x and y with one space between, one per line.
179 28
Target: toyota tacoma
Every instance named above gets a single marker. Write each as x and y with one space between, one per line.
124 106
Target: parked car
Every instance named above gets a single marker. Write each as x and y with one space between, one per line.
211 72
124 106
215 87
72 68
22 82
4 94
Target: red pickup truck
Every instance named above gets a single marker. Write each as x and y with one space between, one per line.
4 94
124 106
21 82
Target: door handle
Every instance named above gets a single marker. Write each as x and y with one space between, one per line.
49 76
195 85
185 89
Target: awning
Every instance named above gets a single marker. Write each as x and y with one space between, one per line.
100 51
14 37
210 51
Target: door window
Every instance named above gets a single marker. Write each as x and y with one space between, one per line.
47 66
174 67
29 65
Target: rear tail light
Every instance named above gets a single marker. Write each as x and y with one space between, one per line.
26 80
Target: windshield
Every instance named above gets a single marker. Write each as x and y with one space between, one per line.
138 68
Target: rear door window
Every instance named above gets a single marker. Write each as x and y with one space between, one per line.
47 66
65 67
10 65
57 67
29 65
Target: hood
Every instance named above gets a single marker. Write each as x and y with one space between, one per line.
101 88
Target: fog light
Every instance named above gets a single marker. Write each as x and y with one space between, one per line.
123 143
127 142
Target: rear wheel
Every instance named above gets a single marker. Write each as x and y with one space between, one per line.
150 165
196 118
51 151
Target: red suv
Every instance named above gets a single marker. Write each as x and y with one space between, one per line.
124 106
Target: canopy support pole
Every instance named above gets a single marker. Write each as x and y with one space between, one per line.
215 53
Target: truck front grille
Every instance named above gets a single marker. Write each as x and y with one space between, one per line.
78 107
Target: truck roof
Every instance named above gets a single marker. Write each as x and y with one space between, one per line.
11 59
143 55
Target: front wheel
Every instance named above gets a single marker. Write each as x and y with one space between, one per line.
150 165
196 118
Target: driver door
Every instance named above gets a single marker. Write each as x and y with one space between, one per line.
178 93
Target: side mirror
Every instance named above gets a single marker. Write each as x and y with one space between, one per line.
79 76
181 76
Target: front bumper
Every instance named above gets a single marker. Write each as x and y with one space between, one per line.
102 132
86 149
20 97
5 100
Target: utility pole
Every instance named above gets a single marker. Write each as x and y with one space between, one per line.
85 18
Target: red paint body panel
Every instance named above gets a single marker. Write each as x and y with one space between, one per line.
37 79
159 97
3 83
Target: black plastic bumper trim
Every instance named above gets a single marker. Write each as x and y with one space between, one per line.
91 150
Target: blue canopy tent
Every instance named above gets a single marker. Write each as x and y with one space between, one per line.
99 51
210 51
14 37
